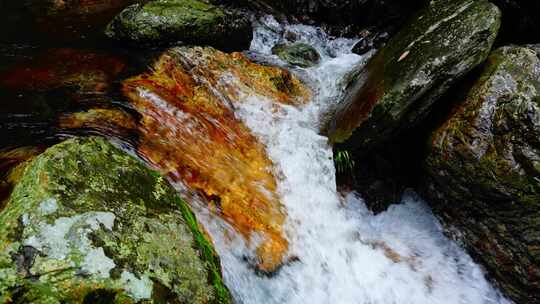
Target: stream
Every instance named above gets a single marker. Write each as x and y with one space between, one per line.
339 251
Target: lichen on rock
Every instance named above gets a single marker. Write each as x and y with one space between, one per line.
88 222
484 166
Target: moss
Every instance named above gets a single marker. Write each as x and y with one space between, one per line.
483 167
188 21
405 78
300 54
108 208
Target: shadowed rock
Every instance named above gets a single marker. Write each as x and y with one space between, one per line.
405 78
485 170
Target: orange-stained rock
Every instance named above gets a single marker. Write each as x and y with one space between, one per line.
102 121
87 71
190 133
234 75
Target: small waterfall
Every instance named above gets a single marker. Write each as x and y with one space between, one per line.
339 252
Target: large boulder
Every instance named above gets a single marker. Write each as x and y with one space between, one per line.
87 223
404 79
185 100
484 165
181 21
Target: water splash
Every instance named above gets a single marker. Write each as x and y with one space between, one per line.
339 251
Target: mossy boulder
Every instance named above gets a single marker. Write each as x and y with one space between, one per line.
87 223
484 165
404 79
166 22
299 54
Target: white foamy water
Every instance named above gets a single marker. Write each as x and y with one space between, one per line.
345 253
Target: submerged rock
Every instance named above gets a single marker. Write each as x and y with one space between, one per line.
403 80
103 121
53 21
42 85
186 21
87 223
300 54
85 72
189 132
485 170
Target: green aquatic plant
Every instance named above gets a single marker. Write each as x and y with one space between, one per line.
343 161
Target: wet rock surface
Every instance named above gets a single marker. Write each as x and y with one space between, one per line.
196 22
38 86
485 170
89 223
87 71
369 41
405 78
299 54
186 101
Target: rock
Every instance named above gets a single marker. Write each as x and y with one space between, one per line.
186 21
405 78
184 100
47 22
40 86
87 72
103 121
370 41
299 54
12 164
484 165
87 223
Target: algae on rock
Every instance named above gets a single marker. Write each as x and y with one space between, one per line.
484 168
87 222
187 21
404 79
300 54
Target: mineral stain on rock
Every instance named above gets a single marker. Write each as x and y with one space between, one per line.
189 132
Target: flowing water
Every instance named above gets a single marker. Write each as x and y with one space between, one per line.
339 251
